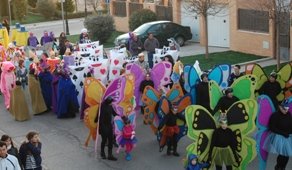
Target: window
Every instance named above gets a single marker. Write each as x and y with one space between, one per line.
253 20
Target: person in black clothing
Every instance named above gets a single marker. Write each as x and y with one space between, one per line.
279 140
106 128
223 146
271 88
144 83
235 75
135 46
202 89
182 82
30 152
225 101
170 131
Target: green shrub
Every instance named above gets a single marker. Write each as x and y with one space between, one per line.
46 8
140 17
32 3
58 14
19 9
100 27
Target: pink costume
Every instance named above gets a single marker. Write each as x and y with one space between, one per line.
129 138
7 82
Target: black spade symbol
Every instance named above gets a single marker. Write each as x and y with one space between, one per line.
84 75
81 84
74 77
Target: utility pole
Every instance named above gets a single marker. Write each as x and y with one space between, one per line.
66 18
85 10
62 8
9 10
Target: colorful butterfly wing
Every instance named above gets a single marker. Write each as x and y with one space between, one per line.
186 77
241 115
138 72
265 110
183 103
201 125
177 71
150 98
220 74
94 91
127 104
175 93
215 93
244 87
119 125
132 118
258 71
284 76
194 77
247 152
160 74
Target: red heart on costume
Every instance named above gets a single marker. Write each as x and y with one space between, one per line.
116 62
114 72
88 46
102 71
96 51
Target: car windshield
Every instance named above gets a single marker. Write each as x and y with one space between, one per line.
142 29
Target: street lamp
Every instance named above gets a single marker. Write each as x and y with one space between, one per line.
62 8
9 10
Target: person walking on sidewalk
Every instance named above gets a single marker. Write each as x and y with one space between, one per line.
149 45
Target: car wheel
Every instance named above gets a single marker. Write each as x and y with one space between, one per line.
180 40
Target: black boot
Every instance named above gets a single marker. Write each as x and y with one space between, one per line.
110 155
174 150
168 152
102 155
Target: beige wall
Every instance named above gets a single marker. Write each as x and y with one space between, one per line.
248 42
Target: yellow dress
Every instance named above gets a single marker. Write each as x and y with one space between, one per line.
37 99
4 37
18 105
21 38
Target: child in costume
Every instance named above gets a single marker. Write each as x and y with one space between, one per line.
223 146
7 82
128 139
170 131
279 140
193 163
225 101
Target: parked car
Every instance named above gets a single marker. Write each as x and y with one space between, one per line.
162 30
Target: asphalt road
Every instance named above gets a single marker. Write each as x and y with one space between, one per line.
63 145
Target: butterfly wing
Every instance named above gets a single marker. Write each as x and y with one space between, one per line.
258 71
127 103
186 77
284 77
132 118
220 74
150 98
201 125
175 93
266 109
94 91
119 125
160 74
215 93
139 75
244 87
182 104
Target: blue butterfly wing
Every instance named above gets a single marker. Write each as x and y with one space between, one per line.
187 69
193 77
216 75
226 71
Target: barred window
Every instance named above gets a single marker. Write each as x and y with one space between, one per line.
120 8
253 20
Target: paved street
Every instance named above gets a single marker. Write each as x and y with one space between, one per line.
63 139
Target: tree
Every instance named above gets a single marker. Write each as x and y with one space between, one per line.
32 3
46 8
68 6
19 9
140 17
279 14
205 8
100 27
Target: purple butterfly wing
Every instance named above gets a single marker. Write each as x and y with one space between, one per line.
138 72
160 74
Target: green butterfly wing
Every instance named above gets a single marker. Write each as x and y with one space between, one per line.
284 75
201 125
258 71
247 153
244 86
241 115
215 93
